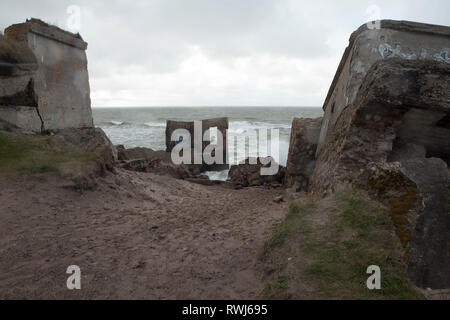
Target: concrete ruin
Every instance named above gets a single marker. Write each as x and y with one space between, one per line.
220 123
302 148
44 81
386 128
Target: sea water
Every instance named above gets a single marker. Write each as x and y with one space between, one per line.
145 126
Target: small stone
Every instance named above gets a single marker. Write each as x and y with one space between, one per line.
278 199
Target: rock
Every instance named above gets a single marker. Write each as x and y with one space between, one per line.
93 140
246 174
102 155
157 166
142 153
159 162
278 199
119 148
417 195
207 182
276 185
301 157
407 151
429 257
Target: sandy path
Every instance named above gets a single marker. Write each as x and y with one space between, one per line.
136 236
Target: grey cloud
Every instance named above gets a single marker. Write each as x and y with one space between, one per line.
156 36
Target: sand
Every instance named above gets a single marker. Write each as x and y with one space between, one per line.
136 236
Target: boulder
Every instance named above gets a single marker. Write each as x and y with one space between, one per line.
159 162
157 166
417 193
142 153
93 140
248 173
302 148
429 251
278 199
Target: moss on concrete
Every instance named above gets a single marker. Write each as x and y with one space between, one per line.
403 198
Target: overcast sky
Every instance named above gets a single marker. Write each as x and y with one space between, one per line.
216 52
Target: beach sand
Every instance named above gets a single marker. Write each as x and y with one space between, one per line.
136 236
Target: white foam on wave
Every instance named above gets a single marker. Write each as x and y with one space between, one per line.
240 127
152 135
217 175
155 124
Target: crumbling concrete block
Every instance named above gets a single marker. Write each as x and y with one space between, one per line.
399 117
395 39
302 148
55 60
400 102
248 173
220 123
386 127
24 118
429 250
18 105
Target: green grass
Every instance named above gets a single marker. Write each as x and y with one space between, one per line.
295 223
332 257
38 154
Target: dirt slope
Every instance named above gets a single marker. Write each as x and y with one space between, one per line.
137 235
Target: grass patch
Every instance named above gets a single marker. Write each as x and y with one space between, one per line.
295 223
328 260
39 154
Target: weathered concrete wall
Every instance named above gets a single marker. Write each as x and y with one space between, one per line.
395 39
400 114
400 102
61 81
386 127
23 117
302 148
18 105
